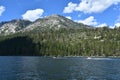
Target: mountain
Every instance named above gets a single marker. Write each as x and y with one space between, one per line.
13 26
56 35
53 21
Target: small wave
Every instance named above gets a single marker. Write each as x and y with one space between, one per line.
93 58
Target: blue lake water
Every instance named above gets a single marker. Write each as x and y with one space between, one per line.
61 68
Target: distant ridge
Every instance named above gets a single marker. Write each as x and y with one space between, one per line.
54 21
13 26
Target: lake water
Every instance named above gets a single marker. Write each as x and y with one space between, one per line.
61 68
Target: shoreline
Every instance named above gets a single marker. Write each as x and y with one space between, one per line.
62 56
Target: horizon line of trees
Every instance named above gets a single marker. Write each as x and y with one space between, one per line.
62 42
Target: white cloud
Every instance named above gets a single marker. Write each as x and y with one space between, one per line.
89 21
117 24
102 25
112 27
68 17
90 6
2 9
32 15
69 9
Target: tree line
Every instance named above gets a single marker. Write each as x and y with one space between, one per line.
62 42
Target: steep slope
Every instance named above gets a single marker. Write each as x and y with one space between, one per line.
13 26
62 42
55 22
43 24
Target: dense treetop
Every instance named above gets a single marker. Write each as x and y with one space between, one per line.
63 42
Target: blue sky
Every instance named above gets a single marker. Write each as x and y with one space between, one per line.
91 12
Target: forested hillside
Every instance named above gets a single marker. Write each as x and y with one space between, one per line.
63 42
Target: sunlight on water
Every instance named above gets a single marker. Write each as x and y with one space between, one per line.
93 58
98 58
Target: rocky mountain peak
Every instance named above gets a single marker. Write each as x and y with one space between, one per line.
54 21
13 26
